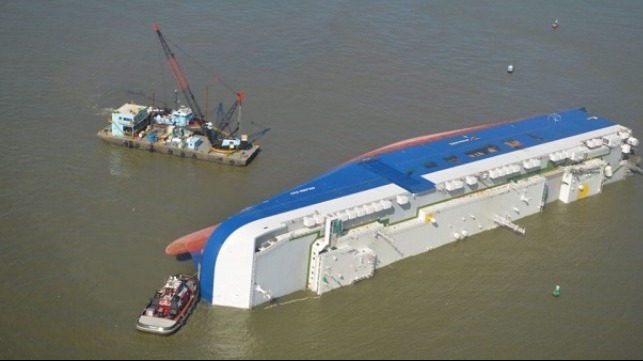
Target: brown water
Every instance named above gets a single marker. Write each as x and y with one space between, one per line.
83 225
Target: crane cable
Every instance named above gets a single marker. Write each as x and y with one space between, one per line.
204 68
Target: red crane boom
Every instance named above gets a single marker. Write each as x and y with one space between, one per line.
225 126
178 75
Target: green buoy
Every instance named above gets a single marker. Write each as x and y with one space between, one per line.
556 292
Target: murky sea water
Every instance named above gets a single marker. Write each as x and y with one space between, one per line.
83 224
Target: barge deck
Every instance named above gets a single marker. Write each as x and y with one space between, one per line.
239 157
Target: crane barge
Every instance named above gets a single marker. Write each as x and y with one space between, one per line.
183 131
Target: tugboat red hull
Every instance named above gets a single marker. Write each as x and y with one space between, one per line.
170 307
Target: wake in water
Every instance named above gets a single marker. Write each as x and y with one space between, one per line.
102 111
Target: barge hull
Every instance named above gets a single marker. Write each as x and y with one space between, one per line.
239 158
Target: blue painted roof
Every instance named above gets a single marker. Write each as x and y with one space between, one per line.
405 167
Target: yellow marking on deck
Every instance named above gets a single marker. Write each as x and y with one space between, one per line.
584 191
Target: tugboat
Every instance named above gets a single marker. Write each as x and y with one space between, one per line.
170 306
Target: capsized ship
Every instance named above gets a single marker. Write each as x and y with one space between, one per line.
405 199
